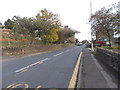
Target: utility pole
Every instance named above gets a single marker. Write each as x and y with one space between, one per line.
91 26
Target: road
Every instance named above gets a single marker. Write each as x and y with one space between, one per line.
48 70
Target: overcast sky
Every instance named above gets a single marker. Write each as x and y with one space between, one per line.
74 13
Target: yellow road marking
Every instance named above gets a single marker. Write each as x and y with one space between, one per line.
53 89
26 85
16 85
74 75
11 85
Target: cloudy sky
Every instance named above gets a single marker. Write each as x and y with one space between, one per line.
74 13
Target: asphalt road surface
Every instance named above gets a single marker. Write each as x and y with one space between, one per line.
48 70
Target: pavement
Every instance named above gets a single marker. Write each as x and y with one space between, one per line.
92 74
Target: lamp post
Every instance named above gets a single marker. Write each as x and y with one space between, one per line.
91 26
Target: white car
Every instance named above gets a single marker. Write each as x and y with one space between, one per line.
79 44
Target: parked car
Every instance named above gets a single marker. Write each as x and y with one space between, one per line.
79 44
100 43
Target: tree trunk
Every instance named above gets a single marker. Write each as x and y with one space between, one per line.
31 42
109 38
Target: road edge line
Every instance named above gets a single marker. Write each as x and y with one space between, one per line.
75 73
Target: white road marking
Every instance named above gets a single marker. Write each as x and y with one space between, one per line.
22 71
11 56
67 50
58 54
44 59
39 62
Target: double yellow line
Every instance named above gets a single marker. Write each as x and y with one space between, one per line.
74 75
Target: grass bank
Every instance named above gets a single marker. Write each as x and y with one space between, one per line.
113 48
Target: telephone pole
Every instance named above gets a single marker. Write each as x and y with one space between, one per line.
91 26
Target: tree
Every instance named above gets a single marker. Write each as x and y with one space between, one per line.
9 24
48 24
45 26
105 22
1 26
25 27
64 34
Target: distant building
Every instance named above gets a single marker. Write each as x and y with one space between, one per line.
66 35
66 27
84 41
5 32
117 41
71 39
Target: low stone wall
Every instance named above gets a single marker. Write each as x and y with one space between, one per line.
109 58
11 50
32 49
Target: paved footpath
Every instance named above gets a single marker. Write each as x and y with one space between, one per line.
91 74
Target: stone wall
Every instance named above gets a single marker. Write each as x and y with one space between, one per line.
32 49
109 58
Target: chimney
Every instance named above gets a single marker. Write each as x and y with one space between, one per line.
66 27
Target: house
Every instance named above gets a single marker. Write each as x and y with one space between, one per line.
70 39
5 32
117 41
102 36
